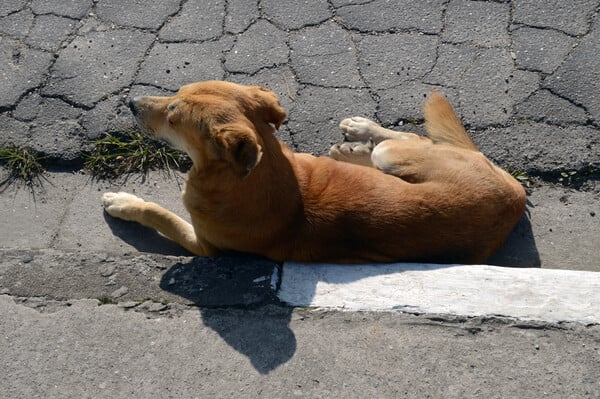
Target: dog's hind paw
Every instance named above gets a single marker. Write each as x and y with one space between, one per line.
122 205
359 129
352 152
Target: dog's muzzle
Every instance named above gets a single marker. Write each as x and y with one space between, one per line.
133 104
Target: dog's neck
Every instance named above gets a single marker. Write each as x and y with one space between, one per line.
270 185
268 200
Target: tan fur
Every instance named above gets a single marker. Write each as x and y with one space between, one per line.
442 124
439 199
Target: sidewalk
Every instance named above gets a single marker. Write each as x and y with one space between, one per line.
523 76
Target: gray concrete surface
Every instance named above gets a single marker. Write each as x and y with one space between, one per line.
79 349
523 76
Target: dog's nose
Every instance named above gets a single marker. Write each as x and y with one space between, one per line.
133 102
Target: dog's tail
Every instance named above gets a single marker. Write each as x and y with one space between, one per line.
442 124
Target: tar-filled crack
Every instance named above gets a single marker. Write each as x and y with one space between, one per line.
258 71
352 3
589 121
16 11
515 25
413 31
11 107
542 74
263 15
571 101
511 14
358 54
224 20
151 85
72 103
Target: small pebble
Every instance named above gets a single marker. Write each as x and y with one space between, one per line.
107 271
156 307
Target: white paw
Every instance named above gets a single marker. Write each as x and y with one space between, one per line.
358 128
121 205
353 152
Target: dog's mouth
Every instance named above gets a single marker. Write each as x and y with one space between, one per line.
150 133
134 106
143 128
151 125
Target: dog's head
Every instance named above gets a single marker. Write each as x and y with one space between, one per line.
214 122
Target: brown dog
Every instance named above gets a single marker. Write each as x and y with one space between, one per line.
397 196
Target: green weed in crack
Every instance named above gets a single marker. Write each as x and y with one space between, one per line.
120 153
522 178
104 300
23 164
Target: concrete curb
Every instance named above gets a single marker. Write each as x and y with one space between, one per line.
524 293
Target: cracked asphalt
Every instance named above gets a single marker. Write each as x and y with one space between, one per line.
522 74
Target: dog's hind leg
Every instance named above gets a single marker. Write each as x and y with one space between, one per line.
418 162
409 160
129 207
361 136
363 130
353 152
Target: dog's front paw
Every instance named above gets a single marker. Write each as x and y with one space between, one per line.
122 205
358 128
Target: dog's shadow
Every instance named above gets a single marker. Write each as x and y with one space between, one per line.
142 238
255 324
520 249
241 284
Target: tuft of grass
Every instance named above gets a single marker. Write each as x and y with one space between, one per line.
23 164
568 177
121 153
522 178
104 300
576 178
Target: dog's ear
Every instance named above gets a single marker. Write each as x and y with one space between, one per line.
267 106
239 147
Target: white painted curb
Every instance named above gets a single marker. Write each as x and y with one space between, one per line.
529 294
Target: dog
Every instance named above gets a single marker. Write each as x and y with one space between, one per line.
381 196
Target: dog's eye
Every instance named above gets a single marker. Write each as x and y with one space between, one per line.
171 107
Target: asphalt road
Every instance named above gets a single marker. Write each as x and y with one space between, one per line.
523 76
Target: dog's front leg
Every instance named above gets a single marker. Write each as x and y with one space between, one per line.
131 208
